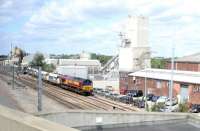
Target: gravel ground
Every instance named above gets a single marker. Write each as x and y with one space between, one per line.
6 98
25 98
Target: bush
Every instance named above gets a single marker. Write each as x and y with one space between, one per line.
48 67
157 107
183 107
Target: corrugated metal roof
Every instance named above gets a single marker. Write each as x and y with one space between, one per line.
191 58
163 74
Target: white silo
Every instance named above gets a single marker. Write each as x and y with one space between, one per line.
135 50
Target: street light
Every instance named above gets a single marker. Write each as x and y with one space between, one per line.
172 75
146 56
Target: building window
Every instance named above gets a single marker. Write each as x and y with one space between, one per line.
196 89
137 81
158 84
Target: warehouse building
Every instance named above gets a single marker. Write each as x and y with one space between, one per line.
85 61
186 63
92 65
186 83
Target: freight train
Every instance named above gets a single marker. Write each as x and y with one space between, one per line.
75 84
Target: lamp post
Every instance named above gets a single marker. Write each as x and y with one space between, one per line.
146 56
172 75
145 86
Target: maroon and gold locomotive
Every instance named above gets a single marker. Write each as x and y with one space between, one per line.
79 85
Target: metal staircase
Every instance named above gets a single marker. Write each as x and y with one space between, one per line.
111 69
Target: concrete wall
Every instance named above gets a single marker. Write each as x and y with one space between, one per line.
194 119
86 119
11 120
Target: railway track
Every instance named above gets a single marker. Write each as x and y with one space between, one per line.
73 100
91 100
119 105
62 96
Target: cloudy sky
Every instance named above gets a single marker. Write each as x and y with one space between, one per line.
71 26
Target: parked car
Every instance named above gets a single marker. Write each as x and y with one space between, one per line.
150 97
162 99
107 93
135 93
141 103
155 98
126 99
173 108
101 92
174 102
195 108
97 90
114 96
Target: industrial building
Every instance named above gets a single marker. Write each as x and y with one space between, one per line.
186 83
93 65
186 63
134 53
84 61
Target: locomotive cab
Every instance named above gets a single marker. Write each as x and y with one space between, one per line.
88 86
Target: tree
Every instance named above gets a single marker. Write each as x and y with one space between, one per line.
158 63
38 60
102 58
18 52
48 67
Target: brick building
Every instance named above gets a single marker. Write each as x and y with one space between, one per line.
186 83
123 82
186 63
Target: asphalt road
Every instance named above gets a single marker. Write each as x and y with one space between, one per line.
162 127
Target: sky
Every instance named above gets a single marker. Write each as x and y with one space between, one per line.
73 26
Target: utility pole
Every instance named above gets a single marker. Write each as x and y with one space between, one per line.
172 75
13 76
145 86
11 51
39 90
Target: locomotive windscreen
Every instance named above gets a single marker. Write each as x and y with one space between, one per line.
87 82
